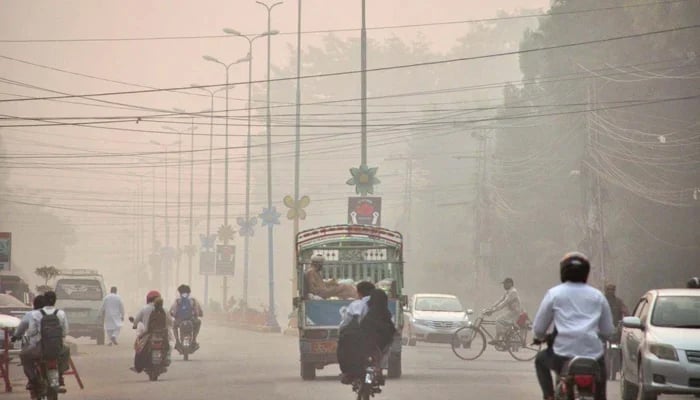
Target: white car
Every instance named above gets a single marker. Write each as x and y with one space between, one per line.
433 318
660 345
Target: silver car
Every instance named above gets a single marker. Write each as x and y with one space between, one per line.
661 345
433 318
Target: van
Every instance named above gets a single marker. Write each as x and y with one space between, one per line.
79 293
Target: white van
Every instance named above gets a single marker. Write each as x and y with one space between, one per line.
79 293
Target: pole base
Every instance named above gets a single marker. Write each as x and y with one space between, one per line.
271 325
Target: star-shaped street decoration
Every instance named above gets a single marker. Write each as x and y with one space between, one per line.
246 228
190 250
207 242
270 216
364 179
225 233
296 208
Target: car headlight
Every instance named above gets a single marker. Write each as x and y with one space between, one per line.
663 351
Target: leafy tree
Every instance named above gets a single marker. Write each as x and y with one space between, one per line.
46 273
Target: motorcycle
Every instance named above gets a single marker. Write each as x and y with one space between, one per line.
578 379
157 360
186 335
47 386
370 383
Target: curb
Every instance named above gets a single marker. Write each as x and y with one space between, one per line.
248 327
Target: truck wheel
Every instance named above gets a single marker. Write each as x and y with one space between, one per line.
308 371
394 370
100 335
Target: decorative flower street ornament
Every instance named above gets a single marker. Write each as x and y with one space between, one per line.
364 179
270 216
296 208
207 242
247 228
190 250
225 233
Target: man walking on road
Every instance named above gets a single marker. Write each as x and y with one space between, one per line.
113 313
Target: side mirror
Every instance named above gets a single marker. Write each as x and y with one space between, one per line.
470 311
632 323
406 309
295 302
404 300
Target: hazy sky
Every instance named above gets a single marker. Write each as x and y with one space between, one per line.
166 63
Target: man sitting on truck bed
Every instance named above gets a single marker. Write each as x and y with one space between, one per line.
315 284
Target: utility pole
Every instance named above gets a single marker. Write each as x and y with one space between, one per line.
481 246
595 225
363 66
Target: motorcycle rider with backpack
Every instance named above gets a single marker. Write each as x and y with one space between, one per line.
47 328
183 309
581 317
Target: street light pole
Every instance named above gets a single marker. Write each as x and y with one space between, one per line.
166 259
248 231
270 212
363 56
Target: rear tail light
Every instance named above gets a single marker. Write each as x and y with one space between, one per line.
583 381
52 364
157 345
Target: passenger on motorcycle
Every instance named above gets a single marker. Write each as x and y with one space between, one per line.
358 308
155 322
511 302
55 328
183 309
580 315
21 329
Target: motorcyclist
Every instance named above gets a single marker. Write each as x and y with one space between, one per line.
155 321
511 302
580 315
32 352
186 308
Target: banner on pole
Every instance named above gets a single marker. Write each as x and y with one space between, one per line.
365 211
225 259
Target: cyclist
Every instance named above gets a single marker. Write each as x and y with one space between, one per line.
511 302
580 315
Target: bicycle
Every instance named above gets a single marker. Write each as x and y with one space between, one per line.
469 342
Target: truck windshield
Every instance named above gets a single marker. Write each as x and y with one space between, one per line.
447 304
78 289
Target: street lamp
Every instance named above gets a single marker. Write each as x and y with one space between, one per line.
226 225
168 251
211 148
248 224
270 216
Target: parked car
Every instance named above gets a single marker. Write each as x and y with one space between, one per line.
661 345
433 318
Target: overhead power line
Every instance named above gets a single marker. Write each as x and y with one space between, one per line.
376 69
341 30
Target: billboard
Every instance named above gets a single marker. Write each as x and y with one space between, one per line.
225 259
5 251
365 211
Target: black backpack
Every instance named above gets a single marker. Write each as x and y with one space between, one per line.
51 335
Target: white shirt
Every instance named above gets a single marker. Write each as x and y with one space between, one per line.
356 308
34 329
113 311
580 313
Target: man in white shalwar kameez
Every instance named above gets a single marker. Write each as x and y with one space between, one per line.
113 314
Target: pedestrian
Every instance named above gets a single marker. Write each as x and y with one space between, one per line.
112 312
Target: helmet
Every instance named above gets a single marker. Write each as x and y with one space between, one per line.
317 258
574 267
184 289
152 295
508 280
694 283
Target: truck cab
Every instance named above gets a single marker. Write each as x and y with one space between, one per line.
352 253
79 293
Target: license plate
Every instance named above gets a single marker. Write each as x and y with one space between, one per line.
156 356
324 347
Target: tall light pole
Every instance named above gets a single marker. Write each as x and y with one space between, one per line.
211 149
167 254
270 216
246 229
226 226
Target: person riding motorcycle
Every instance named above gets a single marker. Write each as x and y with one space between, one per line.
581 317
511 302
34 350
155 322
186 308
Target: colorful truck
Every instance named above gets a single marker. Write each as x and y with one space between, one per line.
351 252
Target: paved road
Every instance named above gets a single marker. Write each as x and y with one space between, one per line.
236 364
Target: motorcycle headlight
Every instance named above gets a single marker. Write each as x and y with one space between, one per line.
663 351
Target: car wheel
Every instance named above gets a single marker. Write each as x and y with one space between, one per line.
641 393
627 389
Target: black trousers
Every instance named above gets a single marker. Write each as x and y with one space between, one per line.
546 362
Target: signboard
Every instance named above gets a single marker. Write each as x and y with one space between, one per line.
5 251
225 259
365 211
207 262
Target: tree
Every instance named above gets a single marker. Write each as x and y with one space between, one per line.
46 273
